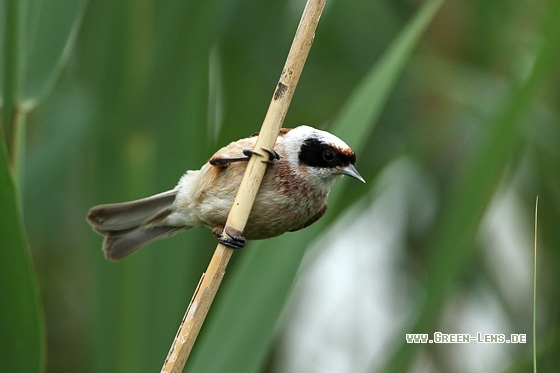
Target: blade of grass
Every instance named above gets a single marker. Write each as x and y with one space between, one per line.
535 290
474 188
21 320
358 116
21 317
13 60
357 119
52 29
250 303
38 40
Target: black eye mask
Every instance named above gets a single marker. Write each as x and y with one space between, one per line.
316 153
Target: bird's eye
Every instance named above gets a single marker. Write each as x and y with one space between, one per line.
329 155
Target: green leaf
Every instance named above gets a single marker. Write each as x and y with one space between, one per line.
476 185
249 305
52 28
357 118
44 33
21 321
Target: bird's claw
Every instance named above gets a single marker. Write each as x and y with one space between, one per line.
249 152
272 156
235 239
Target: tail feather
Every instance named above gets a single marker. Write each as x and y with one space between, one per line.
130 225
119 217
117 246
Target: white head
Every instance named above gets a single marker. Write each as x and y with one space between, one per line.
320 154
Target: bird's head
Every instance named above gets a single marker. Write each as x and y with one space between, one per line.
319 155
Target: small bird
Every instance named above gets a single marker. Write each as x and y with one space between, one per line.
303 166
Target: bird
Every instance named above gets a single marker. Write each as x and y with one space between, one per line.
302 167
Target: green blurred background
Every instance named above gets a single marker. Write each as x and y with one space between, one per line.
452 107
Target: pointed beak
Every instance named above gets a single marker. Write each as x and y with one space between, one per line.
351 171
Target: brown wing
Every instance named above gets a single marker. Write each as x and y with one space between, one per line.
315 217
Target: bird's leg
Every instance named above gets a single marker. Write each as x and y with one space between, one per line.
235 239
223 161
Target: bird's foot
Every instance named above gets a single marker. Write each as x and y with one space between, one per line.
223 161
272 155
235 239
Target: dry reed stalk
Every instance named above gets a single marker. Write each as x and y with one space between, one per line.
239 213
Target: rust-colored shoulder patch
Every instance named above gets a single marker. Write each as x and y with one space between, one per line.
282 132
